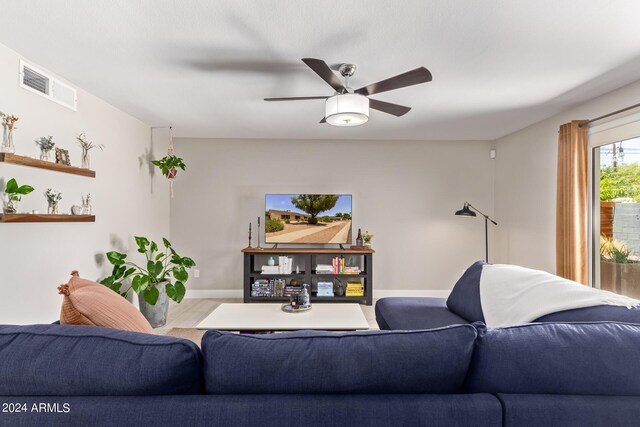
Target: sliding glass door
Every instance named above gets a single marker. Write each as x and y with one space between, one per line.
616 217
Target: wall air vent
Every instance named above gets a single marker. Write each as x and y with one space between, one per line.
42 83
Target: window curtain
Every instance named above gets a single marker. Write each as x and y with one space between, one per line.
572 202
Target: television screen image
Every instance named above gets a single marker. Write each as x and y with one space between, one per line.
308 218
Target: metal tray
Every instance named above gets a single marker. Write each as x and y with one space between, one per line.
287 308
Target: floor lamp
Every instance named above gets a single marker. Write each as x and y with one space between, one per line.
466 211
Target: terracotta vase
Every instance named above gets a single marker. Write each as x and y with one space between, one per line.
171 173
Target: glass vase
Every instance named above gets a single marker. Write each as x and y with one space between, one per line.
11 207
7 140
53 209
45 155
86 160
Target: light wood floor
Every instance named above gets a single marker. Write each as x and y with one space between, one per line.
190 312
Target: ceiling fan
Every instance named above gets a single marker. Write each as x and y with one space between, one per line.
348 107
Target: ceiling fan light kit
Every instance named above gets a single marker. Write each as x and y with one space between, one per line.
348 107
346 110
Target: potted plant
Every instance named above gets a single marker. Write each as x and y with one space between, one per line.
163 276
14 194
87 146
53 198
366 236
169 165
8 124
619 268
46 144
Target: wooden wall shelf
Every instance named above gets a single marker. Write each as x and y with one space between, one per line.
42 164
46 218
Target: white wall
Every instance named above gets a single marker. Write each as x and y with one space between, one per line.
525 182
36 258
405 193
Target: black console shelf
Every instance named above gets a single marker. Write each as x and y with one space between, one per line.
309 258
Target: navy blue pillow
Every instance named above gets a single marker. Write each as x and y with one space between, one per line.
595 358
54 360
464 299
429 361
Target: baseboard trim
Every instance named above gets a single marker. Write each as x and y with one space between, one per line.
213 293
434 293
378 293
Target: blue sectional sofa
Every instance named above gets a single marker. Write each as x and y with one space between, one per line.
463 306
585 374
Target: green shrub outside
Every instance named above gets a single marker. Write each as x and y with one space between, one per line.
273 225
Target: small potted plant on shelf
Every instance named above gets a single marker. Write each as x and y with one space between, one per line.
163 276
169 165
14 194
366 237
53 198
46 144
8 124
87 146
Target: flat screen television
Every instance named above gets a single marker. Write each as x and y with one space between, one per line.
308 218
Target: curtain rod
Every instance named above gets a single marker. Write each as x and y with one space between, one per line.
588 122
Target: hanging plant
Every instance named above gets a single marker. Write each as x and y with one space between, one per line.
169 165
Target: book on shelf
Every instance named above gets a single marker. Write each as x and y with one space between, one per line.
268 288
292 290
325 289
324 269
284 266
269 269
338 266
354 289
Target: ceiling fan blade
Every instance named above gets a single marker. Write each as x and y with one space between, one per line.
389 108
324 120
296 98
322 69
410 78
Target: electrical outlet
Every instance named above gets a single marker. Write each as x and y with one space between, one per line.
196 273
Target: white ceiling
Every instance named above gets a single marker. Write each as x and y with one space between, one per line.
204 66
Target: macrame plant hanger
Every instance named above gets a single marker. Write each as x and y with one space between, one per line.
170 176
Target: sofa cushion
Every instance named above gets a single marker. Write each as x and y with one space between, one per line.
534 410
606 313
397 313
595 358
90 303
433 361
276 410
59 360
464 299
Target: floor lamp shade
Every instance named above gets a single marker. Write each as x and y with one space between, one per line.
465 211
